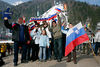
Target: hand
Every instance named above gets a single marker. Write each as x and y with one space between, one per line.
24 18
47 46
50 41
63 23
48 23
5 18
28 42
57 13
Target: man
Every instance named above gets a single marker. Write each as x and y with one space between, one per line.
20 36
29 46
74 51
57 35
85 44
97 40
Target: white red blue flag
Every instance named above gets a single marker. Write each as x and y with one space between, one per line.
43 19
75 36
58 9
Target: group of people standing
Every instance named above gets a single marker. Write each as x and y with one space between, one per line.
43 40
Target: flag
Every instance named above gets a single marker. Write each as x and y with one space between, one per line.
23 19
59 10
43 19
75 36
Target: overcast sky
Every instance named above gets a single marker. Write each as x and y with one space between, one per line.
13 1
91 1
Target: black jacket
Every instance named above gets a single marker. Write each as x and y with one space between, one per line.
15 31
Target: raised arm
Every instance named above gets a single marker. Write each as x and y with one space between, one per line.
6 23
59 20
63 30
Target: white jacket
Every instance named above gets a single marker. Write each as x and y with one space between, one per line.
44 41
48 32
36 35
97 37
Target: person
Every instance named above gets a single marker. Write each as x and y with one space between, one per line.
8 48
74 51
43 43
92 40
97 40
20 36
2 51
86 44
1 61
64 40
46 28
29 46
35 34
57 37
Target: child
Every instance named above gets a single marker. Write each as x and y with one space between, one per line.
92 41
43 43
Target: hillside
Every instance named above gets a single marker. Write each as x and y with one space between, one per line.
81 11
77 11
4 5
29 9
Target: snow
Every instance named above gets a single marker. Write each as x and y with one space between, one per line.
17 3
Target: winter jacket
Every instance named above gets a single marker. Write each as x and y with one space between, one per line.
35 35
16 30
97 37
44 41
57 30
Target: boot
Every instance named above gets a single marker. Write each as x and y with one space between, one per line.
69 57
74 56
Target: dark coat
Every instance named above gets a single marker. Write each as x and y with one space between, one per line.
16 29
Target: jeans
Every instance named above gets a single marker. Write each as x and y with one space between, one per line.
96 47
58 48
42 51
16 49
93 46
28 52
49 50
24 52
35 52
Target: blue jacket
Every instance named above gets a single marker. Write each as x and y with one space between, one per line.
44 41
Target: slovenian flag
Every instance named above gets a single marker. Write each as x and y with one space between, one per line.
75 36
59 10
